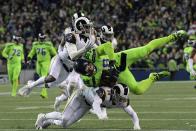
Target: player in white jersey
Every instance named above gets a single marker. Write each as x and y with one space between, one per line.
86 98
106 34
72 46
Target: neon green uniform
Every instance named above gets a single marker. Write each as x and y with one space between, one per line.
43 51
133 55
14 54
187 54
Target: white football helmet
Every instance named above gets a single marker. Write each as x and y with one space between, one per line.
76 16
83 26
107 33
121 91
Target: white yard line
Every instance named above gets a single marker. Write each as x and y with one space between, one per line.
112 112
94 129
108 120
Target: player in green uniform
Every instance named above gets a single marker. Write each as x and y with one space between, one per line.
43 50
14 54
187 57
126 77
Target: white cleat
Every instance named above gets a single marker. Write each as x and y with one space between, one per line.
24 91
39 121
136 127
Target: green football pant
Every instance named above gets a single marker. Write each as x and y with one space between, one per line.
13 74
42 69
133 55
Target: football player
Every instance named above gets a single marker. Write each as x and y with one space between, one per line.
74 44
43 50
14 54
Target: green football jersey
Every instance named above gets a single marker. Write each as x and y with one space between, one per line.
13 53
42 50
100 57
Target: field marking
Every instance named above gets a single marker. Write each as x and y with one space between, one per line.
107 120
185 98
113 112
94 129
33 107
174 82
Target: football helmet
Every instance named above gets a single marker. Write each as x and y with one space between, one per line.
107 33
76 16
84 67
121 91
83 26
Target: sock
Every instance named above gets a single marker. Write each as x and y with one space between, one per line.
54 115
38 82
133 115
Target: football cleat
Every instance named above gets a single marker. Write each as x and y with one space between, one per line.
39 121
136 127
160 75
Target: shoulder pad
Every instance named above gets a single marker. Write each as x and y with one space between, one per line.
35 43
9 44
49 43
70 38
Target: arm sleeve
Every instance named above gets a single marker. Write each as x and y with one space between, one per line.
77 54
53 51
5 52
106 49
32 53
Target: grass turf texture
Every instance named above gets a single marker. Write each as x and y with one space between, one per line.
166 106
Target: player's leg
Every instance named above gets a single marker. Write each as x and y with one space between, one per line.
73 81
16 73
138 88
44 72
134 117
45 120
141 52
10 76
75 109
55 70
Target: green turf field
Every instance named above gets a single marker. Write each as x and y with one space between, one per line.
166 106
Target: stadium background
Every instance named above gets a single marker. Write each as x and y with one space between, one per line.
168 106
135 23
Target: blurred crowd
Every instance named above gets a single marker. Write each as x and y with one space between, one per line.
135 22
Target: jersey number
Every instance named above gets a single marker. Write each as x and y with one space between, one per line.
41 51
105 63
16 52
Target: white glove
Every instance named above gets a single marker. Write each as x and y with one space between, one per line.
24 91
193 73
89 45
